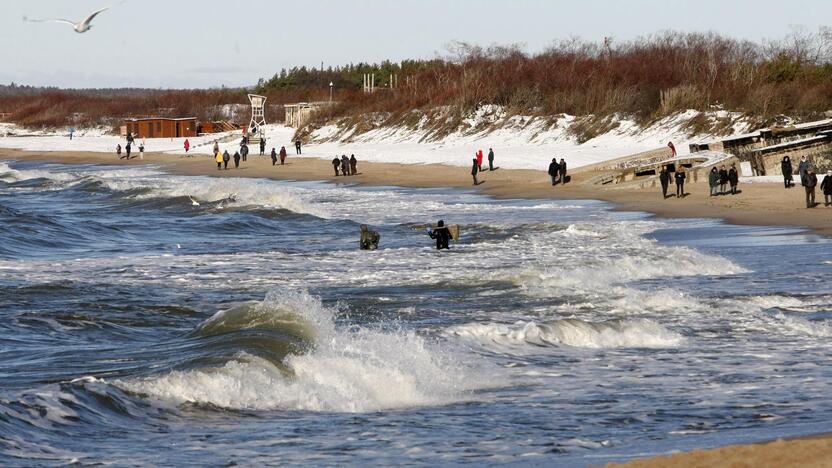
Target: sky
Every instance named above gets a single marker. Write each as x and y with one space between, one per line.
211 43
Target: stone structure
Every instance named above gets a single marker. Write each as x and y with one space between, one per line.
765 148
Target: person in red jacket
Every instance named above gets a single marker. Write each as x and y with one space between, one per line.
187 145
672 147
479 160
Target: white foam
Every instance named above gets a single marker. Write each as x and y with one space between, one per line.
348 370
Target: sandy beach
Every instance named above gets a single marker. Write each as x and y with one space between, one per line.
766 204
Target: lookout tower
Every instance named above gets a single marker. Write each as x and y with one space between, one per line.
258 118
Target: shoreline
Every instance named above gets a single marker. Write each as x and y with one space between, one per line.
759 204
755 206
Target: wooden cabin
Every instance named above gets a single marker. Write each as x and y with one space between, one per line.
160 127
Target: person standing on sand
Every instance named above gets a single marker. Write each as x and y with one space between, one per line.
216 147
723 180
809 181
562 171
353 165
490 159
479 160
554 169
187 145
262 146
786 169
801 168
274 157
297 146
475 168
218 158
664 180
236 160
680 182
345 165
127 149
118 150
141 150
713 181
826 188
283 155
733 178
336 163
244 152
225 158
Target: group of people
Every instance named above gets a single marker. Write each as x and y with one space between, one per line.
346 166
808 179
128 148
557 171
679 176
223 158
476 167
719 180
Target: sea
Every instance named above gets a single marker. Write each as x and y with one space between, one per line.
148 319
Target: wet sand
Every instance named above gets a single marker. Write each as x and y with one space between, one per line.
758 204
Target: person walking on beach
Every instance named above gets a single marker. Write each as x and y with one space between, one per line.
664 180
225 158
128 148
713 181
262 146
490 159
283 155
554 169
826 188
475 168
353 165
187 145
441 233
479 160
219 159
733 178
562 171
216 147
723 180
274 157
118 150
244 152
236 160
297 146
786 169
801 168
345 165
680 182
336 163
141 150
809 181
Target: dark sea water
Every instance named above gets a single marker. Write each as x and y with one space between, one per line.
148 319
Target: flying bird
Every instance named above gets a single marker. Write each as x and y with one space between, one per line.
79 27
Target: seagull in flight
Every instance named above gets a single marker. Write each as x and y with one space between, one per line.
79 27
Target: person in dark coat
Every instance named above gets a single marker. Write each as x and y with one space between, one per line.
809 181
244 151
353 165
713 181
723 180
336 163
733 178
274 157
475 168
801 168
664 180
345 165
297 146
262 146
562 171
282 155
441 233
118 150
554 169
786 169
490 159
826 188
128 148
680 182
225 158
369 239
236 160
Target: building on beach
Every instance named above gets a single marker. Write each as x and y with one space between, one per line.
161 127
299 113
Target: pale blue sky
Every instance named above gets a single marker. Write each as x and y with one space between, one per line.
188 43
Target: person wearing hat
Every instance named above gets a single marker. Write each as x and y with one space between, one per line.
809 181
826 188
